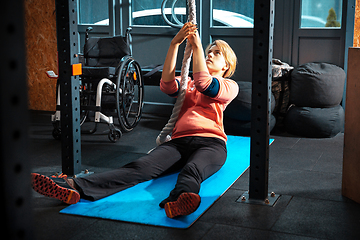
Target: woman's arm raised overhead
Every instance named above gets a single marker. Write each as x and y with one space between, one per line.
168 73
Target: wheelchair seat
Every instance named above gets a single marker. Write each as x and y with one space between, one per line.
96 72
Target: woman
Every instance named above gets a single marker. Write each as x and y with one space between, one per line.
198 144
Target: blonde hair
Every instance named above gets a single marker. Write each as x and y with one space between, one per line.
229 56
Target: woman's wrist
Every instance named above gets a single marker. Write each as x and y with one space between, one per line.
174 43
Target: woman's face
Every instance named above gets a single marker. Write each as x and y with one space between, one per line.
215 61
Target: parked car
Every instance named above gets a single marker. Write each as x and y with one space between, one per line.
312 22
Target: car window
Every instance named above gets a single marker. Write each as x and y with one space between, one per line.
321 13
94 12
148 12
230 13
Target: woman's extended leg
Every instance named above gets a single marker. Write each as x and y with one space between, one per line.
205 161
100 185
150 166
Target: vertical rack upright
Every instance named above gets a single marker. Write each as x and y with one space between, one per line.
261 97
67 43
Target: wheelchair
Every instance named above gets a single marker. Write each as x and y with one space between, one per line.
111 85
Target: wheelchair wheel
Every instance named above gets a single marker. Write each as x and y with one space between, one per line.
114 135
129 94
56 133
84 101
87 100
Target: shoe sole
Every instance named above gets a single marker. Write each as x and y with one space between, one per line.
49 188
186 204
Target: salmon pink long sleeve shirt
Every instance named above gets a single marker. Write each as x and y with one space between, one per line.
205 100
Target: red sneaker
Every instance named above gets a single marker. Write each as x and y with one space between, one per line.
47 187
186 204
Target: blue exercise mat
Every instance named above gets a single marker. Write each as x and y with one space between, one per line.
140 204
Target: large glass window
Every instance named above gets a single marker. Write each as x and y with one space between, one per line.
321 13
233 13
226 13
148 12
94 12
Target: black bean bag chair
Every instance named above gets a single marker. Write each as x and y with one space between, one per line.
317 85
315 122
240 107
243 128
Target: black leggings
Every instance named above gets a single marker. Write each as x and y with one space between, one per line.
197 158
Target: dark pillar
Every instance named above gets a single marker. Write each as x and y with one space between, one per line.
261 93
15 196
67 42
